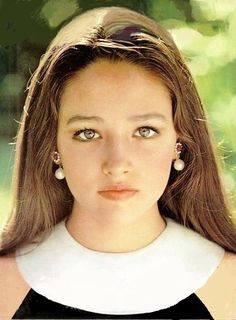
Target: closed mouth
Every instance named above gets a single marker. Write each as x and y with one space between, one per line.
117 194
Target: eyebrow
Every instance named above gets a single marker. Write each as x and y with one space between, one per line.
134 118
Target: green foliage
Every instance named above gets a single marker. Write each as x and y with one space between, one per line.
6 162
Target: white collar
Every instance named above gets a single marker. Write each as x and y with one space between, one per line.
155 277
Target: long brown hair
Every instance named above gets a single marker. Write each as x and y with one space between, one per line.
193 197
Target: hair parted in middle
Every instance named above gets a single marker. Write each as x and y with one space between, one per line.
193 197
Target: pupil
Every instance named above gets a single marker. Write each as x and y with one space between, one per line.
89 134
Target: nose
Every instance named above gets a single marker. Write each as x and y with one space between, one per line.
117 160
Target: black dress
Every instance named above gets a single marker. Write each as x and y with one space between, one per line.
35 306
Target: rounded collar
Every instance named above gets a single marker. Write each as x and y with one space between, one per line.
155 277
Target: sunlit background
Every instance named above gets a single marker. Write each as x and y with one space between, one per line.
204 31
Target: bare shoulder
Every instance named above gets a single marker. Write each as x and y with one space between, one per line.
219 293
13 287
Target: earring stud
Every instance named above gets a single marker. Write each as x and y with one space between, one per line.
59 173
178 163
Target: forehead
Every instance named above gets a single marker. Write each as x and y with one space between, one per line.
108 71
117 85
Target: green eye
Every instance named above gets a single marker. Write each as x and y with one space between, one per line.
84 134
145 132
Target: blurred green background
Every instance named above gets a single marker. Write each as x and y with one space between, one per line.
203 30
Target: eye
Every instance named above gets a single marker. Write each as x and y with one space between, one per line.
84 134
145 132
87 134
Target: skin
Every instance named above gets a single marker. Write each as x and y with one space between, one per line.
117 152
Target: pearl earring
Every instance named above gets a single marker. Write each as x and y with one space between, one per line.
178 163
59 173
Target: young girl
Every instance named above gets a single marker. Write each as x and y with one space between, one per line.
119 211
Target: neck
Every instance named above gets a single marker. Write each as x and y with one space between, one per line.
101 236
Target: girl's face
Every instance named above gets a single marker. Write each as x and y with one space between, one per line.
128 137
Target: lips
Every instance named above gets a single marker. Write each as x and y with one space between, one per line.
118 195
118 192
118 187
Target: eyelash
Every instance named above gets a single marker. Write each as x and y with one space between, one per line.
78 132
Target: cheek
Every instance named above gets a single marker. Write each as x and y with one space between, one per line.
164 159
156 170
81 170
